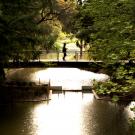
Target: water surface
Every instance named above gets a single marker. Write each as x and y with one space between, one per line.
69 113
68 78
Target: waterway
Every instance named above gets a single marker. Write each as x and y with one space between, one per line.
69 113
68 78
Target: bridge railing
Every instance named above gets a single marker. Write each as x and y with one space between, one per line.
51 55
58 56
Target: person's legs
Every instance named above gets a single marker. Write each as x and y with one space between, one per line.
64 56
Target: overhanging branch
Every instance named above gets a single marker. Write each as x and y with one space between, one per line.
47 17
51 15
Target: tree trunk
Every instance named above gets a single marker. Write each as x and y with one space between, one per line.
81 48
2 74
81 52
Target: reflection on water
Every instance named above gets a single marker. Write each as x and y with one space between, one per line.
69 114
72 113
68 78
60 118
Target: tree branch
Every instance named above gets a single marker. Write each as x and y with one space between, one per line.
51 15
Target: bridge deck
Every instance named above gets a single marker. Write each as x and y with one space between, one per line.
52 59
42 64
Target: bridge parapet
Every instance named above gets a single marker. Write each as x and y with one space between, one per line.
58 56
43 59
50 55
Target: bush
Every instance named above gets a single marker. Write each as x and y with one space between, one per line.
122 83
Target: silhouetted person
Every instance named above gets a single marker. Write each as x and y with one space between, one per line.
64 50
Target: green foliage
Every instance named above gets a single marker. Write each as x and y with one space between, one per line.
82 24
120 85
106 88
28 25
31 25
133 122
109 26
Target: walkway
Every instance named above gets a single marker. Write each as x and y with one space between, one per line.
43 59
50 59
44 64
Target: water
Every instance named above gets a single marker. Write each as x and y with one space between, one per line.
68 78
69 113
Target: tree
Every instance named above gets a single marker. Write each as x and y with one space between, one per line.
61 10
113 35
108 26
30 25
112 40
82 26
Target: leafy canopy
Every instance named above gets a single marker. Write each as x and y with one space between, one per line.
30 25
110 28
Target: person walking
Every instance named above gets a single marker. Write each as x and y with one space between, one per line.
64 50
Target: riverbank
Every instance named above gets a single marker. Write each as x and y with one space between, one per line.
115 96
23 91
